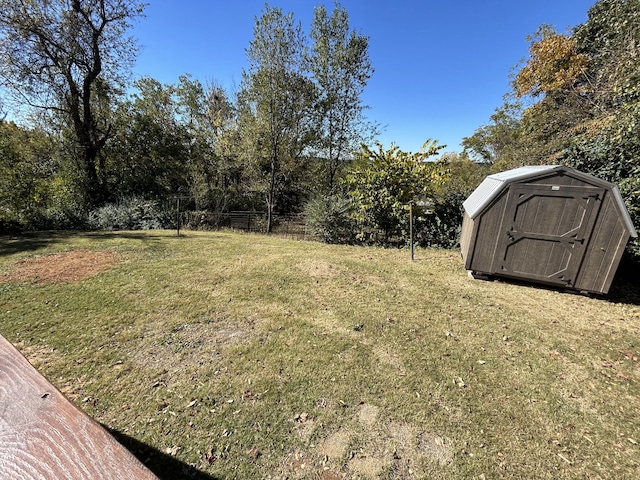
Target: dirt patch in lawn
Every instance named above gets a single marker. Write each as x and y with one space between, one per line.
188 346
65 267
368 446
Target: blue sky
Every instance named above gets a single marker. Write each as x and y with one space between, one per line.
441 67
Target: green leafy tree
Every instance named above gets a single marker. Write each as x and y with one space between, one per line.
454 177
208 116
340 65
27 175
149 156
382 184
275 109
67 57
497 142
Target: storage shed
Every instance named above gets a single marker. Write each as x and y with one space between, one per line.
546 224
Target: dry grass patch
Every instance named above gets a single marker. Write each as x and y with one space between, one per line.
63 267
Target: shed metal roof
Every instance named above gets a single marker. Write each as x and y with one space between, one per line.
494 184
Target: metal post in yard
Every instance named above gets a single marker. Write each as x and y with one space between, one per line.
411 228
178 215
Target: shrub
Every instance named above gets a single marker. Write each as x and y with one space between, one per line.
329 219
132 213
63 217
442 227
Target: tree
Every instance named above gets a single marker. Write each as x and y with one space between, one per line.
554 64
68 56
208 116
27 171
454 176
150 155
495 143
382 183
340 65
275 105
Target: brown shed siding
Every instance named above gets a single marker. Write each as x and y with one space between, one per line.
550 225
482 248
466 235
608 240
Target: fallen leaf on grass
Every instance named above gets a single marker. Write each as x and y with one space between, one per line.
173 451
254 452
211 456
606 375
458 381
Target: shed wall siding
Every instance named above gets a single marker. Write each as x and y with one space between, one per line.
466 240
488 226
607 243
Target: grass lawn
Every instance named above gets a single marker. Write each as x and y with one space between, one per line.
224 355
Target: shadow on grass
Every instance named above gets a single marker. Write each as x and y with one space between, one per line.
164 466
623 290
626 284
625 287
29 242
33 241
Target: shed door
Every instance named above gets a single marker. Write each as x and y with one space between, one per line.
545 231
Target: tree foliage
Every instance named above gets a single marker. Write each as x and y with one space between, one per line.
208 116
383 183
27 174
69 57
274 107
494 144
297 109
149 156
554 64
340 66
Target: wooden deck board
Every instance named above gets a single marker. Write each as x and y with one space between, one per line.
43 435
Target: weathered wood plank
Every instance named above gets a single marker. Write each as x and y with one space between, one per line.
44 436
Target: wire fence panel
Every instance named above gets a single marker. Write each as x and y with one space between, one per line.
291 225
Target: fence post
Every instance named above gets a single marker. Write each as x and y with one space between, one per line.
178 215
